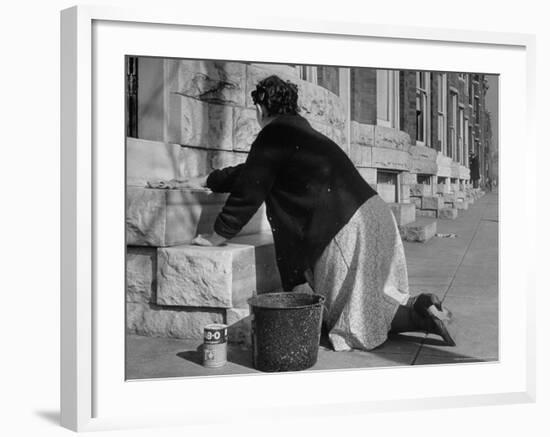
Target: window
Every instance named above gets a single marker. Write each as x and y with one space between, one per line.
387 98
422 108
460 157
453 123
442 112
329 78
308 73
387 186
476 109
466 141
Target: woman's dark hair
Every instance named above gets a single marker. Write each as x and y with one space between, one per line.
278 96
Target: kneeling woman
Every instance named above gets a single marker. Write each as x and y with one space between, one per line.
330 227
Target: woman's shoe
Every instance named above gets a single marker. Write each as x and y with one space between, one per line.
431 316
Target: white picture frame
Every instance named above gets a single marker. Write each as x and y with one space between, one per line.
93 396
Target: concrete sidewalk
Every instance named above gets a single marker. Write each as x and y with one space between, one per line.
463 271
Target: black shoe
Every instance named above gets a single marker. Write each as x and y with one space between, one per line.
433 317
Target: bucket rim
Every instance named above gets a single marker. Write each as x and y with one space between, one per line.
320 302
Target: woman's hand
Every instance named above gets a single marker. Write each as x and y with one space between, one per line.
196 183
208 240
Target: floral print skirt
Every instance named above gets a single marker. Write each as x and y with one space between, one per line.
363 275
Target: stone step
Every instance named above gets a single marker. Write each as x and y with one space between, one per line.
404 213
432 202
176 291
447 213
421 230
164 218
219 277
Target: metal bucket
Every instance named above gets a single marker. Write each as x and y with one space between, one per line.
286 329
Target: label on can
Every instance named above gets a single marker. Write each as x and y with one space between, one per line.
215 333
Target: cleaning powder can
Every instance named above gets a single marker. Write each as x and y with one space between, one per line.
215 345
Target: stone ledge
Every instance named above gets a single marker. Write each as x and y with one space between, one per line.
421 230
219 277
164 218
426 213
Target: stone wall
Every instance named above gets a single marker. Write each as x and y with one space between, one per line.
205 108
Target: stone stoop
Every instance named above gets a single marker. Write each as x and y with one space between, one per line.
447 213
163 218
404 213
176 291
421 230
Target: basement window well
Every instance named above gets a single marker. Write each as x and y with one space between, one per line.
387 184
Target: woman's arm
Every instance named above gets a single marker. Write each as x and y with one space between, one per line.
221 181
254 181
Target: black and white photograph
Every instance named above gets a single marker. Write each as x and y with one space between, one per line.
308 217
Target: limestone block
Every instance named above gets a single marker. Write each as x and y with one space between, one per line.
461 204
390 158
361 156
450 197
145 217
239 326
404 213
221 159
416 201
447 213
151 160
423 160
141 274
387 192
443 165
455 170
192 122
280 70
408 178
194 162
220 277
335 111
420 190
422 230
405 193
464 172
313 101
426 213
171 217
362 134
212 81
387 137
369 174
245 128
156 321
432 202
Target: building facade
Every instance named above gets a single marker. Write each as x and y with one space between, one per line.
421 139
